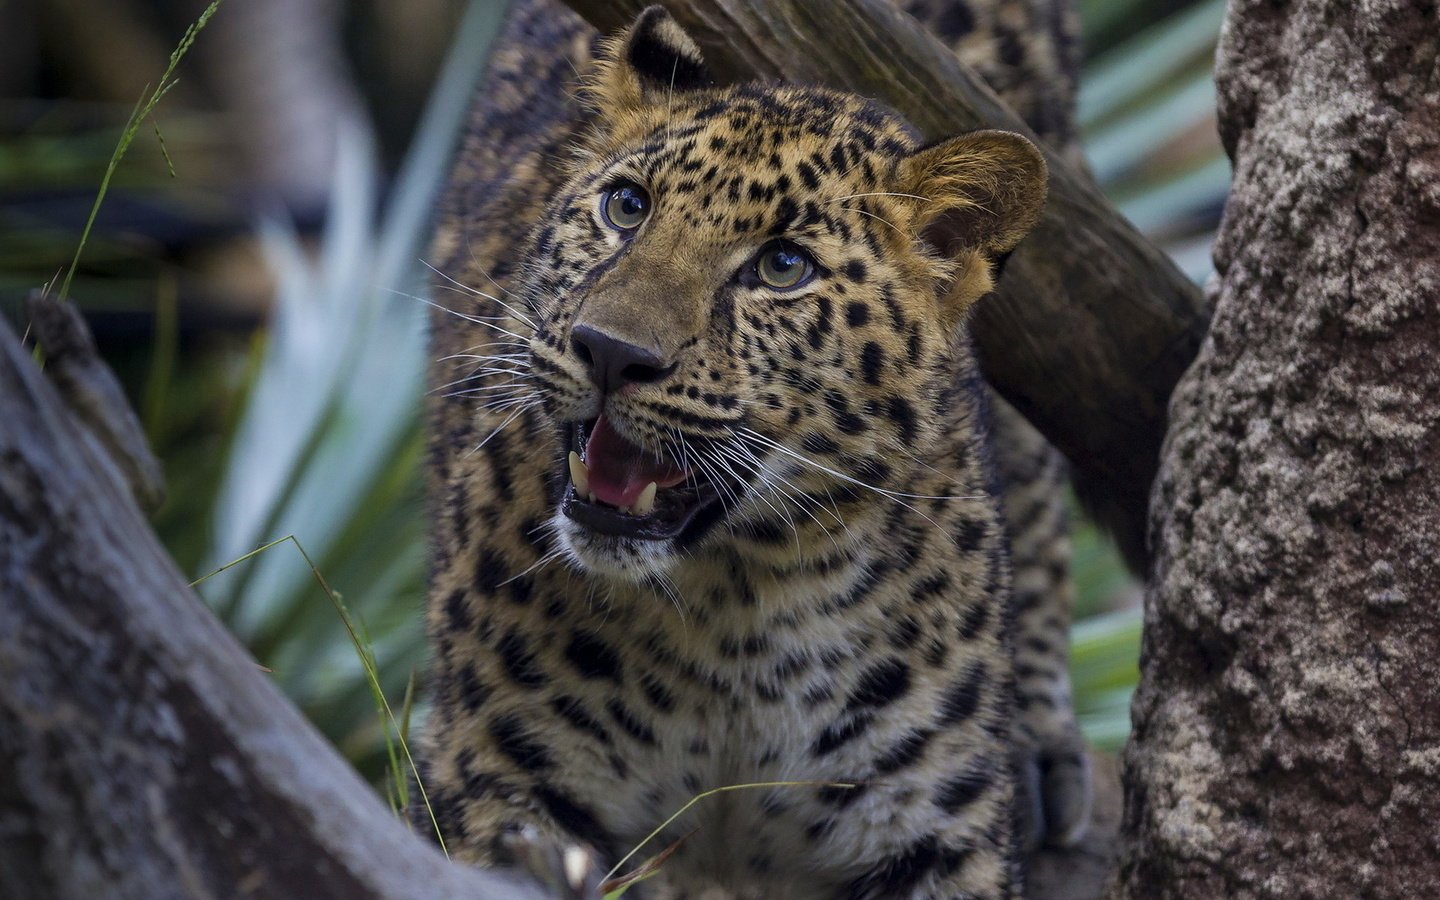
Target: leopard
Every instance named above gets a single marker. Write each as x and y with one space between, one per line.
725 517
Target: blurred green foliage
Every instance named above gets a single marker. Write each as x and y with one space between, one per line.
310 426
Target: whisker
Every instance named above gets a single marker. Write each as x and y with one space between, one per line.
521 346
707 468
544 560
503 404
514 377
664 582
879 194
779 511
497 392
499 428
478 320
762 471
516 357
862 212
768 442
892 496
479 293
749 458
502 367
485 371
689 462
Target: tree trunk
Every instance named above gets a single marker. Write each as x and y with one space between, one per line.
1091 325
1287 725
143 753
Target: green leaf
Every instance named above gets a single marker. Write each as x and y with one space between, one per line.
329 448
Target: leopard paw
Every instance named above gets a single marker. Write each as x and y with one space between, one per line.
567 870
1053 793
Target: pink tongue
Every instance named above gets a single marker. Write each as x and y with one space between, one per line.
619 470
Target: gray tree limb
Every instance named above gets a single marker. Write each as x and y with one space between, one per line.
143 753
93 394
1287 724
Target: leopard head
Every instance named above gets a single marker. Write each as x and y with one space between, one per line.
749 293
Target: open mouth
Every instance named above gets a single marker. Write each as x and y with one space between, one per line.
617 488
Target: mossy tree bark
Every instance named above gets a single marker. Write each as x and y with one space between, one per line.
1287 725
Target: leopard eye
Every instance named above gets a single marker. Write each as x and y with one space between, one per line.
784 266
625 206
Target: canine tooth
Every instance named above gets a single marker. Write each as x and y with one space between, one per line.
645 504
579 475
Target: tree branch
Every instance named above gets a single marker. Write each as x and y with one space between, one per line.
1092 325
142 752
93 394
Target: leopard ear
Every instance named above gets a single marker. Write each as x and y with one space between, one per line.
983 192
651 60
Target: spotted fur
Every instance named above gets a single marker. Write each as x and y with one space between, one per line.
844 617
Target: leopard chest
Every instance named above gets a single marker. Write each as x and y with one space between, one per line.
823 736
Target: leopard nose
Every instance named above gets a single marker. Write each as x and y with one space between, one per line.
614 363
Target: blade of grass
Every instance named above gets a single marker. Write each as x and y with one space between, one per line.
613 890
364 648
407 706
144 107
610 875
164 151
162 359
238 560
356 630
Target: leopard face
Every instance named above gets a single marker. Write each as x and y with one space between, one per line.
746 300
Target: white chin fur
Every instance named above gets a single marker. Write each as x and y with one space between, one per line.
623 559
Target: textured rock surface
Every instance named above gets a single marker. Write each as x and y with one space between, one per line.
1287 737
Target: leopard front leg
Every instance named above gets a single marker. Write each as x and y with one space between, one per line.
1052 764
498 821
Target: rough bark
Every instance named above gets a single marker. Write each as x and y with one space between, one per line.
1287 726
1092 324
142 752
94 395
